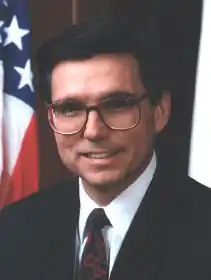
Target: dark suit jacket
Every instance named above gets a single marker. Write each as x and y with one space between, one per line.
169 238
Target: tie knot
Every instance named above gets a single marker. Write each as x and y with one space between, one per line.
97 220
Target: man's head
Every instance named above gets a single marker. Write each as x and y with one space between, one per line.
110 65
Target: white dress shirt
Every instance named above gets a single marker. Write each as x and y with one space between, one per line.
120 212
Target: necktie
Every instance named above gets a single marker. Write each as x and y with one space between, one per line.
94 265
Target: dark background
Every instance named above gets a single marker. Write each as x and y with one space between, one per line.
177 25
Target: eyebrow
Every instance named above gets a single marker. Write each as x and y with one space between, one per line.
117 94
106 96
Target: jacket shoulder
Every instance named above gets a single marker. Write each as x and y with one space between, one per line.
199 192
192 207
39 203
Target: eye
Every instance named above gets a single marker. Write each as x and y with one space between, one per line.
68 108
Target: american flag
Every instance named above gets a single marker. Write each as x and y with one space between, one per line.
18 130
200 152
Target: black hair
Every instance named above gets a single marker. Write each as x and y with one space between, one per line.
104 36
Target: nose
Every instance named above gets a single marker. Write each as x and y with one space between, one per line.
95 129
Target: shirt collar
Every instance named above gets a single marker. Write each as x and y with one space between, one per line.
122 209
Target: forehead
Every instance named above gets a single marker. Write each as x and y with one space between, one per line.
93 78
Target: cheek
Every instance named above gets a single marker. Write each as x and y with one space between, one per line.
66 147
140 142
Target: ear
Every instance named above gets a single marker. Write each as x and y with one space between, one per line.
49 115
162 111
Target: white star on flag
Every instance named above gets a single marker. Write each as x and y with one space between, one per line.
15 34
26 75
5 3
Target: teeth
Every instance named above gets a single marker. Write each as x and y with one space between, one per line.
98 156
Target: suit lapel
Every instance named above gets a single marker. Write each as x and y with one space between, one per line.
59 261
141 253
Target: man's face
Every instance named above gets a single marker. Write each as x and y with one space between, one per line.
127 152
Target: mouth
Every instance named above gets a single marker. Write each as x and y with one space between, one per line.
99 155
101 158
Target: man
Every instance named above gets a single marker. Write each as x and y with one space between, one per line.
127 213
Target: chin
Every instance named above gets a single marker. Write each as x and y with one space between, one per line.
101 179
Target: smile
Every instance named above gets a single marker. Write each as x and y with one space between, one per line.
98 155
100 158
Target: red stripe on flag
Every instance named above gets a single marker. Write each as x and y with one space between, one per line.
25 178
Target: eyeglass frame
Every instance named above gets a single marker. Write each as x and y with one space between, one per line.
96 108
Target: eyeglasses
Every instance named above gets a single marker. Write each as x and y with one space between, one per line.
118 113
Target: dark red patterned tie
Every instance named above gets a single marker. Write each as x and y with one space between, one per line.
94 265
